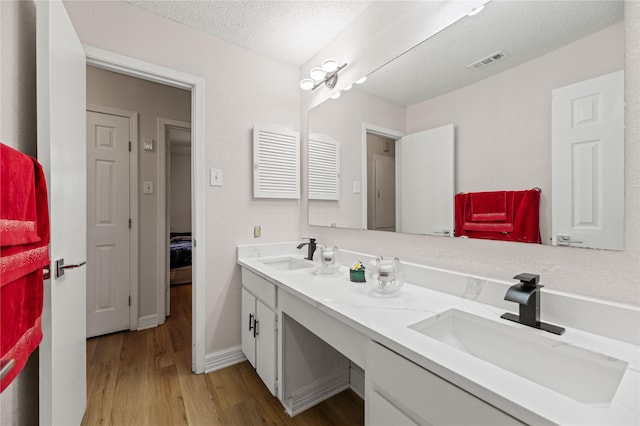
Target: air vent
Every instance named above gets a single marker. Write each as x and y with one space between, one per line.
488 60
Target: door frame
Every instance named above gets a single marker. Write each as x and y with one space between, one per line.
134 236
136 68
163 125
387 133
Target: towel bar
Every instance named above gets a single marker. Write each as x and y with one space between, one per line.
7 368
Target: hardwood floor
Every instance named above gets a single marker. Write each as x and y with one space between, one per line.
144 378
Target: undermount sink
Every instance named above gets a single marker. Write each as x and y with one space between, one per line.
578 373
288 263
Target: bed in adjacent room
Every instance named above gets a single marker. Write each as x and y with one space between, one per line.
180 258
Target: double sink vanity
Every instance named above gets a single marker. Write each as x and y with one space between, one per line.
437 351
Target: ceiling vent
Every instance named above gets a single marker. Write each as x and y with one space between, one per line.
488 60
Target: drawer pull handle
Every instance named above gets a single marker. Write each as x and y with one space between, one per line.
251 326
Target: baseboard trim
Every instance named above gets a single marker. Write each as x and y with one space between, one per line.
356 379
317 392
147 321
224 358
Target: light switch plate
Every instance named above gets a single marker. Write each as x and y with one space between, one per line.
216 177
147 187
148 144
356 186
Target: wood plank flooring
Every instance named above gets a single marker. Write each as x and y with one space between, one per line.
144 378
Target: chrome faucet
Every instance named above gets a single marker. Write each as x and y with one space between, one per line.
527 295
311 249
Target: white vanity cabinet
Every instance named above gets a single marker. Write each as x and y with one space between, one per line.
259 326
399 392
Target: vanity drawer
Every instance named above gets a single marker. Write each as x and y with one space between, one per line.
259 287
420 395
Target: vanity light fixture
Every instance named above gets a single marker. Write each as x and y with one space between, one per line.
362 80
327 74
335 95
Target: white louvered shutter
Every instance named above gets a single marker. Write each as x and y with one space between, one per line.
276 162
324 167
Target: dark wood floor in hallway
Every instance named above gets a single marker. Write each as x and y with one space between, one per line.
144 378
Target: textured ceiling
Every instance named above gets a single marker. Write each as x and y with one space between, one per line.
522 29
291 31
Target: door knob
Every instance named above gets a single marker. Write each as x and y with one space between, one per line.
60 267
565 240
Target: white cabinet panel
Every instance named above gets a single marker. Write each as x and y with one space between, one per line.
259 331
266 345
261 288
421 395
380 412
248 324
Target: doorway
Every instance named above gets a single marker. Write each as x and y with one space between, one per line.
381 183
195 85
379 177
175 267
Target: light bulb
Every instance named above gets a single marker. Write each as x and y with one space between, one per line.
329 65
306 84
362 80
335 96
349 87
317 74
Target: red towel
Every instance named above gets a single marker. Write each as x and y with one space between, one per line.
17 209
499 215
23 254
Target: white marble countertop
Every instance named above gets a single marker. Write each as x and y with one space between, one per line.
386 320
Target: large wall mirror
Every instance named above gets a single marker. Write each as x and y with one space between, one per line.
487 83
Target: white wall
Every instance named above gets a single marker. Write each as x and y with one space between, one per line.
19 401
330 118
150 101
236 96
603 274
503 127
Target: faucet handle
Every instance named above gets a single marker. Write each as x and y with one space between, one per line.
311 240
528 280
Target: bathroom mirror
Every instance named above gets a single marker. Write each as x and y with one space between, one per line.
491 75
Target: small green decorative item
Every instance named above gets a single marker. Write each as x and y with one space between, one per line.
356 273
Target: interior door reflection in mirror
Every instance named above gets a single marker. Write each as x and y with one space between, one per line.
492 75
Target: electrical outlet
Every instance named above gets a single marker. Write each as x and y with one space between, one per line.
147 187
257 231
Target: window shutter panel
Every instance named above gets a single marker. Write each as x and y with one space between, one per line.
324 167
276 162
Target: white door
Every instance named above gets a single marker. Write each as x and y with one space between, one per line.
266 345
588 163
61 102
248 324
426 185
384 192
107 223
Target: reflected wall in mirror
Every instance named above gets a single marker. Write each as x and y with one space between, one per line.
501 111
